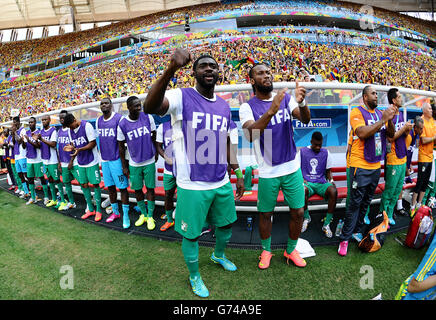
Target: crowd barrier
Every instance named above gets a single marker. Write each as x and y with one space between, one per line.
248 201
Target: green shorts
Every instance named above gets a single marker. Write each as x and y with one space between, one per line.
69 175
89 174
195 207
318 188
169 182
292 186
35 170
51 170
144 175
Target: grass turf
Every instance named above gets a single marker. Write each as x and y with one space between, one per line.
35 243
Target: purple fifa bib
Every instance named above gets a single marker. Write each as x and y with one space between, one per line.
63 140
400 143
31 151
205 128
79 140
167 142
313 165
138 138
370 146
16 149
45 149
283 148
107 134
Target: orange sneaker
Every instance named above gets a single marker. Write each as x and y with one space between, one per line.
166 226
295 258
265 259
88 214
97 216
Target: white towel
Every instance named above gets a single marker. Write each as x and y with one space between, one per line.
305 249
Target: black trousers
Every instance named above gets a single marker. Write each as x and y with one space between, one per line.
363 184
10 172
424 172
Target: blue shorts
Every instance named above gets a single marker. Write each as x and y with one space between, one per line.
113 174
21 165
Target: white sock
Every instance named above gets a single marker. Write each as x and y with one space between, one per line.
399 204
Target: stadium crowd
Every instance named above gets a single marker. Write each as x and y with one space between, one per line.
129 146
37 50
290 59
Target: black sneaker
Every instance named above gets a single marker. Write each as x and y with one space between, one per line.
402 212
206 230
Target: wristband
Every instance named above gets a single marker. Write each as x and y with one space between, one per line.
238 173
302 104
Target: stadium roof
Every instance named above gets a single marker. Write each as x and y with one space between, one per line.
32 13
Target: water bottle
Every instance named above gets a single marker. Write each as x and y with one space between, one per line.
339 228
249 223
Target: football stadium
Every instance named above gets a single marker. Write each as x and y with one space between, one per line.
217 150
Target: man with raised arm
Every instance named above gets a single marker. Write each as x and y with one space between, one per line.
200 121
266 121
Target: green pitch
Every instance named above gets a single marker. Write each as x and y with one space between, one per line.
46 255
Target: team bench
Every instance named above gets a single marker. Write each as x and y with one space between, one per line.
250 197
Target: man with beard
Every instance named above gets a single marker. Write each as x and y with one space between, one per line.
106 127
396 157
316 164
370 127
200 121
266 121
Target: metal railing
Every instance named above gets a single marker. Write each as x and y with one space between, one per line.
412 96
